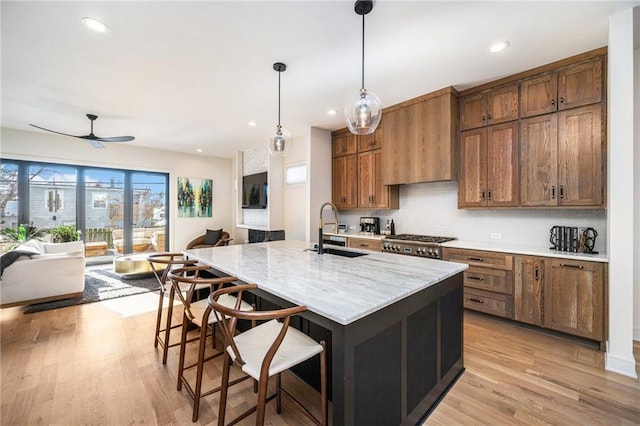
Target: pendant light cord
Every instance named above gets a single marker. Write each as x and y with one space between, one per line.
279 72
363 51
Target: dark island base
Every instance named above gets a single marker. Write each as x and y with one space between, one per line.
394 365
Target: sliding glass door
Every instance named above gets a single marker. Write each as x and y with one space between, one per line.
116 211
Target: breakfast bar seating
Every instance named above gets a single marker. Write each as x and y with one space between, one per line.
199 314
265 351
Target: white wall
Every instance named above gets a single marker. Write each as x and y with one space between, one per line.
621 222
432 209
296 207
636 73
23 145
319 178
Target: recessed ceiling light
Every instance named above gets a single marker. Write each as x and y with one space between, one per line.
499 46
199 150
95 25
252 123
332 112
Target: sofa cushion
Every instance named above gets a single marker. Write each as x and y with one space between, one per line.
212 236
11 256
37 247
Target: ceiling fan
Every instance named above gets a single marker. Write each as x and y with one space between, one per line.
93 139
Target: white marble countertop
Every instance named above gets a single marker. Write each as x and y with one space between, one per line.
339 288
525 250
367 235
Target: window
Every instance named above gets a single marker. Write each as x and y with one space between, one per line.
296 174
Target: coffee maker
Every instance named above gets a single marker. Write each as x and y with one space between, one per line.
370 224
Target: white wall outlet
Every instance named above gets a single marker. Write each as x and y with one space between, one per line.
496 236
352 227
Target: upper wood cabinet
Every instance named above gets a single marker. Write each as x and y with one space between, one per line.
344 188
569 87
561 158
371 192
490 107
420 140
357 177
344 143
574 298
489 167
527 289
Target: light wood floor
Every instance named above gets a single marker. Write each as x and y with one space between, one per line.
96 364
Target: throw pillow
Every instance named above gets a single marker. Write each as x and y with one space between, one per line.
212 236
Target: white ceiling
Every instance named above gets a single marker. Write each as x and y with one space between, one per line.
186 75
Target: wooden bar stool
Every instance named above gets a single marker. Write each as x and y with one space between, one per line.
265 351
161 264
199 314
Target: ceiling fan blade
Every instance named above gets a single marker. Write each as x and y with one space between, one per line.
116 139
95 143
53 131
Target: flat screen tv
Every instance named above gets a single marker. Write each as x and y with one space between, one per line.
254 191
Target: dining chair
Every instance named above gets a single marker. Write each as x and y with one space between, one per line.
161 264
199 314
264 351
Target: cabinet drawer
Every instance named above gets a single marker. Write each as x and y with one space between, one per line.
496 280
365 244
488 302
485 259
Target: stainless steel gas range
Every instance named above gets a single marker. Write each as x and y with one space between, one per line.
415 245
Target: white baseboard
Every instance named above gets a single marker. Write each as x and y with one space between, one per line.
624 366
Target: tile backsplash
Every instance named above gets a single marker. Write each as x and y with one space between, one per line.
432 209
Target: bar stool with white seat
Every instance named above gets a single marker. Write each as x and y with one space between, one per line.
265 351
161 264
199 314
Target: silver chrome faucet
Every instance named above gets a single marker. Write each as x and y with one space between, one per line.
322 224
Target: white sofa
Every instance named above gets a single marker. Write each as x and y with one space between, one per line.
53 271
144 239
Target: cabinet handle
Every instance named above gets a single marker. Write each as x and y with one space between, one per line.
483 196
568 265
561 100
477 259
489 194
473 277
536 273
473 299
489 117
561 191
553 192
373 142
553 101
484 117
364 245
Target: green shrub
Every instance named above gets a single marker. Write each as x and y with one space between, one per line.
65 233
14 237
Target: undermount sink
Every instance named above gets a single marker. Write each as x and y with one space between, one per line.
343 253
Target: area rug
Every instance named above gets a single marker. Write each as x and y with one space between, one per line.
100 284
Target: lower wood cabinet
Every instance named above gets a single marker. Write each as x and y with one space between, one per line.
364 243
559 294
574 298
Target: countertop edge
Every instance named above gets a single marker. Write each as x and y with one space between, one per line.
525 250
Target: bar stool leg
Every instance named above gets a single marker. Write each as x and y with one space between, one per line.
224 387
262 397
167 330
323 385
183 349
279 393
159 318
202 344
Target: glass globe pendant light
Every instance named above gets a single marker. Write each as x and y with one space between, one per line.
363 111
280 143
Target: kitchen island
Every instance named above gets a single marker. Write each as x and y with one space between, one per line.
395 322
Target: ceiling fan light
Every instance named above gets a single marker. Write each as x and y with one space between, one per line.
95 25
363 113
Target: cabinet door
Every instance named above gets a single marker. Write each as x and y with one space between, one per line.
364 244
574 298
539 95
472 183
399 131
539 160
580 165
345 182
580 84
370 142
527 293
502 165
344 143
365 179
473 111
502 104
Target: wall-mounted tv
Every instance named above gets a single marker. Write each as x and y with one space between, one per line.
254 191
